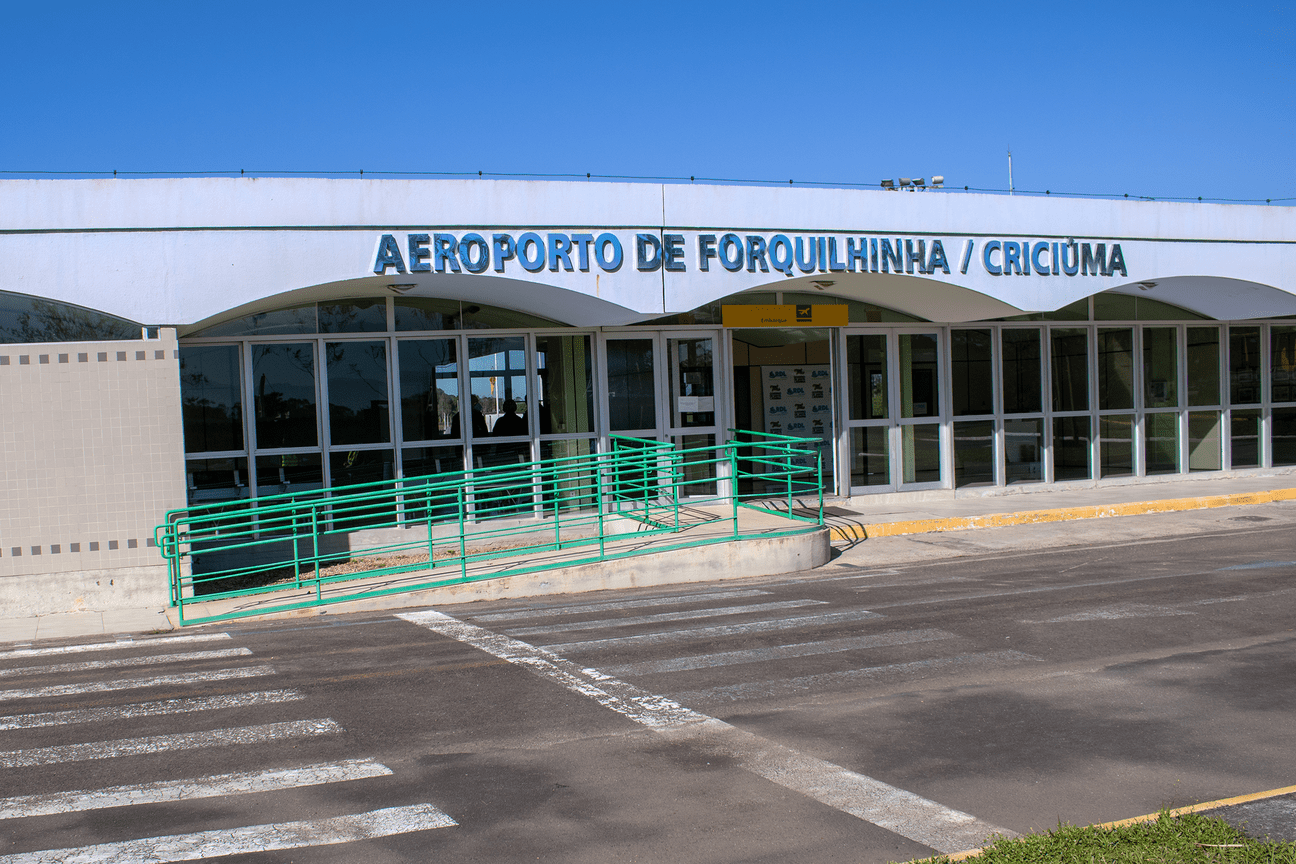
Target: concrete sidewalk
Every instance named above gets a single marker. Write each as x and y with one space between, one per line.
852 521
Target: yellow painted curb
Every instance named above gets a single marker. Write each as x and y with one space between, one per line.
1059 514
1178 811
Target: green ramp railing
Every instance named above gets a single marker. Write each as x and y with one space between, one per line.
322 546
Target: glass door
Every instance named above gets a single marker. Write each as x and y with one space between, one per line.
692 413
869 366
919 451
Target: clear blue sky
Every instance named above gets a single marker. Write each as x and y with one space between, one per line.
1159 99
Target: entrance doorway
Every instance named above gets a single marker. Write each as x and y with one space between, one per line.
783 385
895 409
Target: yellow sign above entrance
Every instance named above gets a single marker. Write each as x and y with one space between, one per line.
807 315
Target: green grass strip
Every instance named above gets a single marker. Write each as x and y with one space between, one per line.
1188 839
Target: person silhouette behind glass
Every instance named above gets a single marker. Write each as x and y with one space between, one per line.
478 421
509 422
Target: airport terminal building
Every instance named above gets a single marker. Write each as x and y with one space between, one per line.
171 342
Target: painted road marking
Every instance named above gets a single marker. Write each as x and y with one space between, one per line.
662 617
243 841
778 652
148 709
134 683
906 814
788 686
162 642
1116 612
157 743
216 786
690 634
151 660
580 608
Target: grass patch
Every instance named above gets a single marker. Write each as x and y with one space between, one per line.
1187 839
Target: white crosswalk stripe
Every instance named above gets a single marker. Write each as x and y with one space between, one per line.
807 683
663 617
147 709
777 652
160 642
165 792
124 662
159 743
690 634
135 683
216 786
253 838
581 608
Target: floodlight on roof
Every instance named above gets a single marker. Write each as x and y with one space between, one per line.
888 184
905 181
938 180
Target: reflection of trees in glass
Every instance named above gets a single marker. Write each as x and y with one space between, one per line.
285 403
31 319
212 409
357 375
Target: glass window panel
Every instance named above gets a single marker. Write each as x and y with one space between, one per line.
1282 363
920 452
973 453
429 388
283 387
424 466
354 467
1024 450
1244 435
569 486
1114 307
693 383
1072 448
498 384
481 317
1125 307
357 391
1284 436
24 318
919 374
1160 367
1205 441
426 313
632 401
1070 355
296 319
1115 368
870 457
1022 380
354 316
213 480
1203 365
866 361
290 472
1244 365
1077 311
973 375
565 384
508 489
1116 445
211 398
699 464
1161 442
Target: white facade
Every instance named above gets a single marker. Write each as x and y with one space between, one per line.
1049 342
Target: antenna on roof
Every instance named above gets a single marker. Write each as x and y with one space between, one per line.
1010 183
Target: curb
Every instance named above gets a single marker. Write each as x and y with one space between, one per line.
1060 514
1177 811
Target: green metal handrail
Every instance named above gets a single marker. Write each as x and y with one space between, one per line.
304 542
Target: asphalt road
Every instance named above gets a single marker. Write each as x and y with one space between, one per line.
910 696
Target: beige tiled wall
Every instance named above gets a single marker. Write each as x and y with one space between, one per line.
91 454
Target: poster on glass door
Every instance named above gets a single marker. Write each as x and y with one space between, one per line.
798 401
